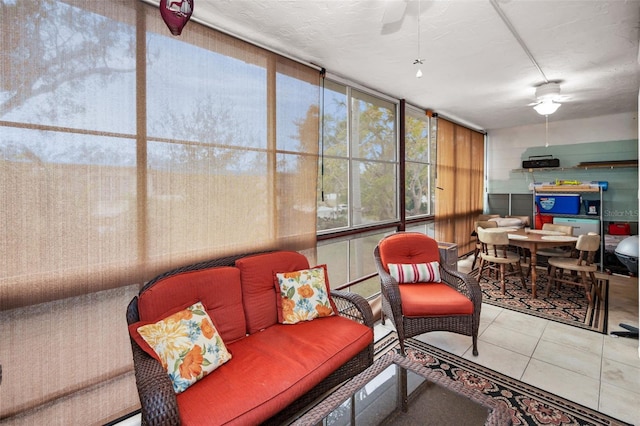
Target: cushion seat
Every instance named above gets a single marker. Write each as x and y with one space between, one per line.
434 299
291 359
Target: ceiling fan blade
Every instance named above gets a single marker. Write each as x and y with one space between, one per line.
559 99
394 11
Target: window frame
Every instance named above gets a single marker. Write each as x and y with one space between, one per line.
430 162
366 95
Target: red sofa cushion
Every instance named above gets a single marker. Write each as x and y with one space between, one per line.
408 248
433 299
258 290
271 369
217 288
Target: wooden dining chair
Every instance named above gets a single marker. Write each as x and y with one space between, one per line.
496 255
586 246
549 252
566 230
525 221
483 224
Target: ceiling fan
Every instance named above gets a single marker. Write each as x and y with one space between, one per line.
548 98
393 16
395 12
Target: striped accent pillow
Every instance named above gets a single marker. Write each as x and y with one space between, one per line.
416 272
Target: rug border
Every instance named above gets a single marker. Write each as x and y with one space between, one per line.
389 342
605 309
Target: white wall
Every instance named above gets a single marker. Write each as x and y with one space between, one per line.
506 146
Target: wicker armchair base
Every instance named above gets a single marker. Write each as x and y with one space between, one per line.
409 326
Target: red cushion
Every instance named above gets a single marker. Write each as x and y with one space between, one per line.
433 299
133 332
408 248
258 291
271 369
217 288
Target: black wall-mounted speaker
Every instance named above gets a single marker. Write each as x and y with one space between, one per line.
540 161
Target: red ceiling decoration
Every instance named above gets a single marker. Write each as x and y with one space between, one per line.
176 14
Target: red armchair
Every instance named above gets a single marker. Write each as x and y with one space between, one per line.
452 304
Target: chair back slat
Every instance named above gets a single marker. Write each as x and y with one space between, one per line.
493 238
565 229
485 224
588 242
587 246
497 242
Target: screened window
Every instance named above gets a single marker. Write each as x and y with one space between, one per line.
351 259
357 184
420 156
124 152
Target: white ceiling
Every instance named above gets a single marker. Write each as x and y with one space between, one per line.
475 70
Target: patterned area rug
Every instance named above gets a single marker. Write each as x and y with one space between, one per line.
529 405
568 304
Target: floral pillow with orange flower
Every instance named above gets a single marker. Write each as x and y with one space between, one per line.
304 295
187 345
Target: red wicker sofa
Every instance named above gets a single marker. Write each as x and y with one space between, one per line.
275 369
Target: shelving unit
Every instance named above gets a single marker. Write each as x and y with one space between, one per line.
577 189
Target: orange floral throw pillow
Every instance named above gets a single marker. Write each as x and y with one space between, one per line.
187 344
304 295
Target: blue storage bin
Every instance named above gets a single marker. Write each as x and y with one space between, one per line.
558 203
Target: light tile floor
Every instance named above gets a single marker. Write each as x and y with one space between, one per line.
599 371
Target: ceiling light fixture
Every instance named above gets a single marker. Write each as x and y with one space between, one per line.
418 61
547 107
547 95
419 72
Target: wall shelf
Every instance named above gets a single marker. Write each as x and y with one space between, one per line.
585 167
567 188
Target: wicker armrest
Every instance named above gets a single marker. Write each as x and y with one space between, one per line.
157 397
391 292
464 283
353 306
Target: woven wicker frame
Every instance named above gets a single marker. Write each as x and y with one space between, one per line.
157 397
412 326
498 412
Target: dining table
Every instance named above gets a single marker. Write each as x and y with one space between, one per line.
533 240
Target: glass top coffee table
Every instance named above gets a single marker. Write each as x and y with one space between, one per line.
397 391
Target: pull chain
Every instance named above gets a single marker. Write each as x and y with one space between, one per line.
546 131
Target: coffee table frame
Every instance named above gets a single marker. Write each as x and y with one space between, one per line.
498 412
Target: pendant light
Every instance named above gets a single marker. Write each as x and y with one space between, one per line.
547 107
547 96
418 61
